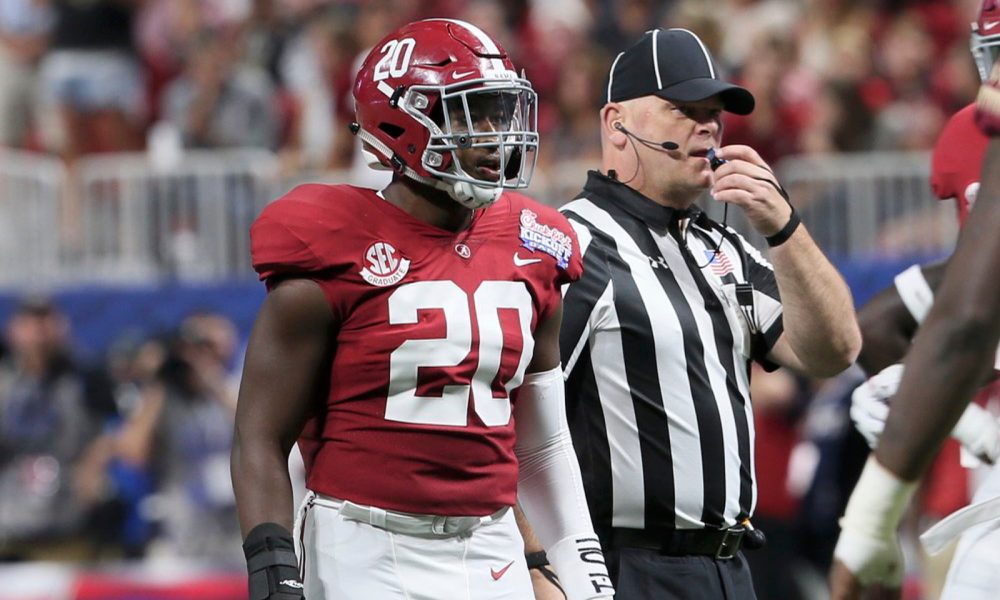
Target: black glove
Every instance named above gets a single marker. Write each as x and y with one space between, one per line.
271 563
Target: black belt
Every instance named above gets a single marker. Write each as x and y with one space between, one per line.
718 543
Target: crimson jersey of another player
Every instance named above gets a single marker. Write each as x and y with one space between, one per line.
433 333
957 161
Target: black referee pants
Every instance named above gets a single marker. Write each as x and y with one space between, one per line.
640 574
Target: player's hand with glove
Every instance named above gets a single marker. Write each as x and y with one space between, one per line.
977 431
870 402
988 103
274 571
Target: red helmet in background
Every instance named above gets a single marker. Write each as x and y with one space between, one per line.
435 87
985 39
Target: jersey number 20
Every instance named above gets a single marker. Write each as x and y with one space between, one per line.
403 403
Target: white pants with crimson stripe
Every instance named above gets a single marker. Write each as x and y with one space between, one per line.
345 559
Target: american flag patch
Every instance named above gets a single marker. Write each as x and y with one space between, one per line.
719 262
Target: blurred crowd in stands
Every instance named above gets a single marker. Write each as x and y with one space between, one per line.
129 458
122 459
82 76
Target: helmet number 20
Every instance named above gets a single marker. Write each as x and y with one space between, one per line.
406 361
395 61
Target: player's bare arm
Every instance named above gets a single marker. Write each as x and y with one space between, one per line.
888 326
959 336
288 348
546 355
821 336
952 352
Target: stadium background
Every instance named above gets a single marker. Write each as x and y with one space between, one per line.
126 220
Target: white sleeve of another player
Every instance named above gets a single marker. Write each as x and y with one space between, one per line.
550 489
915 293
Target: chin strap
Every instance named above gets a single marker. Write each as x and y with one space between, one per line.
473 196
465 193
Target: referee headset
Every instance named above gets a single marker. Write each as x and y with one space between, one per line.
714 161
744 290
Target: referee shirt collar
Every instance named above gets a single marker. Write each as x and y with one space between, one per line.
606 190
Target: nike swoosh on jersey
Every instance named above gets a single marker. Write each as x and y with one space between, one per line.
498 574
521 262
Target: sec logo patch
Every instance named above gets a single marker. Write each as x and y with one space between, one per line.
384 265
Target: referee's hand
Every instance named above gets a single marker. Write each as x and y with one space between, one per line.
748 182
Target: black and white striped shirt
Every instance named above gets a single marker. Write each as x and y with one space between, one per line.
657 352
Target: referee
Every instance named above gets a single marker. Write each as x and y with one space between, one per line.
658 335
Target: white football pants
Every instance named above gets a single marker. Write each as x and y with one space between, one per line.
345 557
975 568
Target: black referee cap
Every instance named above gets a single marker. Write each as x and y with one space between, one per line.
673 64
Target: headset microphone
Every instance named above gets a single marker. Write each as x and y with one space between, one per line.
666 145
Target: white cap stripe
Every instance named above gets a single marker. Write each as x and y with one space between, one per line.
708 58
611 76
486 40
386 89
656 61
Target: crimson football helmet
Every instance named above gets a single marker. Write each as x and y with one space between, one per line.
437 87
985 40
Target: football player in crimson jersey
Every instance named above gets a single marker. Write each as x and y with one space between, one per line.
891 318
409 344
950 359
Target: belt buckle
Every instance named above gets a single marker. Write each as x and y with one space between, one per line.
439 525
730 544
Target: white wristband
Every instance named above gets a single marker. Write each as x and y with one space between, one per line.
868 545
878 501
915 292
